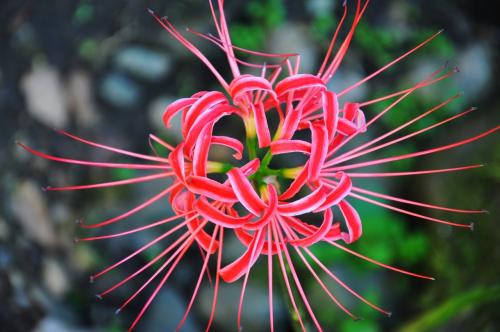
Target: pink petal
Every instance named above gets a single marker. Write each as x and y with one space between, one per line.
319 149
247 83
320 233
245 192
238 268
229 142
207 211
201 149
289 146
331 112
337 194
304 205
211 189
263 135
208 101
268 213
174 108
299 82
353 222
209 116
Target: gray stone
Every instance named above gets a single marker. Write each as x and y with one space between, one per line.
294 38
475 69
54 324
120 91
166 312
143 62
343 78
30 209
82 98
45 95
55 278
156 108
255 315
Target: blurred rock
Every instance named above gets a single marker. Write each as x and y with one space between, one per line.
4 230
82 98
476 69
156 108
255 316
344 78
120 91
294 38
55 278
29 207
166 313
320 7
143 62
45 95
54 324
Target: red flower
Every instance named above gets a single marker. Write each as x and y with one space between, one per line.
271 224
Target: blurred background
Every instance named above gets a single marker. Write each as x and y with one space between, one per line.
105 70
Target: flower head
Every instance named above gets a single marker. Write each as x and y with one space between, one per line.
265 208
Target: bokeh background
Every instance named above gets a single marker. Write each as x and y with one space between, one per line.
105 70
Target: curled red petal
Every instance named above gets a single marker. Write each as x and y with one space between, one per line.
338 193
206 102
174 108
207 118
289 146
247 83
319 234
238 268
202 237
211 189
245 192
296 184
299 82
209 212
331 113
319 149
201 149
268 213
229 142
353 222
291 123
304 205
177 161
263 135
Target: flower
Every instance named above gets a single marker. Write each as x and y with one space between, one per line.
252 202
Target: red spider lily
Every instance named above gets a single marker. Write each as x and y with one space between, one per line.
271 224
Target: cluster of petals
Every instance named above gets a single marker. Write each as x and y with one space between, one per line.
268 220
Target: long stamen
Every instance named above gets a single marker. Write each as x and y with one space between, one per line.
403 138
113 183
390 174
116 150
406 201
217 280
138 251
179 253
371 260
369 77
341 283
417 154
290 233
134 210
285 275
200 278
413 214
92 163
404 125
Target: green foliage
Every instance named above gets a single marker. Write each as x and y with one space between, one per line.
263 16
459 304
